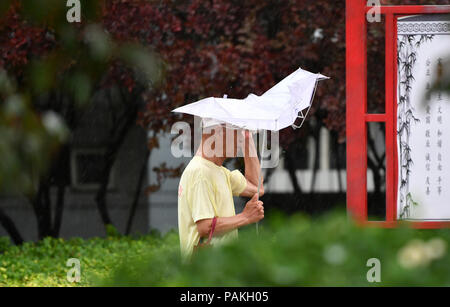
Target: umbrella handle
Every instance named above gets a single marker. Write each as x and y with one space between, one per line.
260 173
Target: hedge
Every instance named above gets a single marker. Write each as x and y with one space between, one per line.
289 251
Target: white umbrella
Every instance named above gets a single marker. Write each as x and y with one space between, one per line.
277 108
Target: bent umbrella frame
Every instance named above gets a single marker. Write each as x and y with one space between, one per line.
294 126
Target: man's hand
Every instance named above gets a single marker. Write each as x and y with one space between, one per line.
252 213
254 210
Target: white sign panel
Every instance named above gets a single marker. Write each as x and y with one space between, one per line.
423 118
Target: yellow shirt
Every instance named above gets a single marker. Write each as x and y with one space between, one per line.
205 190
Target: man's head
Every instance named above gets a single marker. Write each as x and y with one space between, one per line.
219 140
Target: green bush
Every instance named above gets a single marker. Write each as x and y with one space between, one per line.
293 251
44 263
4 244
299 251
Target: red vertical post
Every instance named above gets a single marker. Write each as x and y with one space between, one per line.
390 131
356 105
395 167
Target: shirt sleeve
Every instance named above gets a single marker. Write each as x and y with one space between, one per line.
238 182
202 200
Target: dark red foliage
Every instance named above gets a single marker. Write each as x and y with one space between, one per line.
20 41
216 47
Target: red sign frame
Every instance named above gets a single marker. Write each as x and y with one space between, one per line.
356 108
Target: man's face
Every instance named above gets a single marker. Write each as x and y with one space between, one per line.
220 141
230 141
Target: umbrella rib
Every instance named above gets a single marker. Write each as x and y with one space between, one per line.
260 171
310 105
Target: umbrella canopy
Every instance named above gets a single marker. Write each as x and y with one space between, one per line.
276 109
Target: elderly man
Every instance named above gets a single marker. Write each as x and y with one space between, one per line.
207 188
